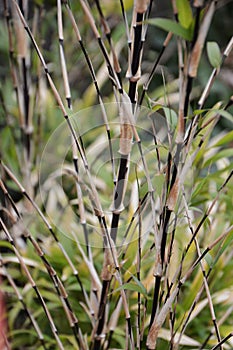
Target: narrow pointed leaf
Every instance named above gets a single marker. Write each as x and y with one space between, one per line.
135 287
226 139
140 285
171 26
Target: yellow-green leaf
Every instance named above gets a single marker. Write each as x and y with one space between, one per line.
185 15
214 54
171 26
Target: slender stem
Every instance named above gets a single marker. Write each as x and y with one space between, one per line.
33 285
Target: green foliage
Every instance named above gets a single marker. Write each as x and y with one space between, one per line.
185 15
172 26
214 54
178 189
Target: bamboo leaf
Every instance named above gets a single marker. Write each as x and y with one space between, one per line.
171 117
209 259
171 26
226 115
135 287
185 15
170 114
132 287
225 139
185 340
198 188
226 153
157 107
140 285
224 246
214 54
200 111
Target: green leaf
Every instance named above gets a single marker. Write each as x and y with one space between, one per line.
135 287
171 26
171 117
225 139
6 244
185 15
214 54
157 107
130 286
226 153
226 115
208 258
200 111
140 285
198 188
226 244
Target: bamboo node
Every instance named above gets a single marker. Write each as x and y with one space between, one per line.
141 6
126 139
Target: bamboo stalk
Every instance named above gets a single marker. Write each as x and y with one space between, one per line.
161 237
198 46
24 94
205 282
172 189
62 55
214 74
161 204
34 286
95 82
151 75
21 300
200 292
206 92
98 208
12 62
223 318
112 74
139 261
165 218
59 287
69 103
112 324
197 49
136 49
162 314
107 32
224 340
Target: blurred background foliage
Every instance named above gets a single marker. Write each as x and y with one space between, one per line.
47 117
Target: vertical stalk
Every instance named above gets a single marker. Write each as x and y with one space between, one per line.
95 82
135 55
107 32
214 74
33 285
151 75
24 94
139 259
197 45
69 104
